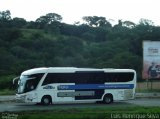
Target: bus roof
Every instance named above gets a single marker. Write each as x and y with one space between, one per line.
70 70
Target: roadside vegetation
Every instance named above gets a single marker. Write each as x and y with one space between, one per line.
48 42
91 113
7 92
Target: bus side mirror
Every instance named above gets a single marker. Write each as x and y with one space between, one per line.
15 80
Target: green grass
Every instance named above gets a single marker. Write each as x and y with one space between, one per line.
87 113
7 92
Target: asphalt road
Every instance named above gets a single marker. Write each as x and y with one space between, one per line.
13 106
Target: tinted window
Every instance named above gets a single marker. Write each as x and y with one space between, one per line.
80 78
59 78
87 77
119 77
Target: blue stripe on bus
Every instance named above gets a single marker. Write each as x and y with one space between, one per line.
95 86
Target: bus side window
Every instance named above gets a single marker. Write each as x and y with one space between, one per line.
109 77
59 78
50 78
119 77
81 78
98 78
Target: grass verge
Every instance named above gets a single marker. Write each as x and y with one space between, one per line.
90 113
7 92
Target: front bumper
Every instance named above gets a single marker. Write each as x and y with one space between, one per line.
26 98
20 98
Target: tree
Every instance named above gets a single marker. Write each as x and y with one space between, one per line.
53 17
49 18
128 24
5 15
146 22
5 18
95 21
18 22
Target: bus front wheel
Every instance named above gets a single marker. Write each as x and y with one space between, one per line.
46 100
108 98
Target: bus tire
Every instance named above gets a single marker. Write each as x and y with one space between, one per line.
46 100
108 98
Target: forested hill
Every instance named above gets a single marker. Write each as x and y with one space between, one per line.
47 42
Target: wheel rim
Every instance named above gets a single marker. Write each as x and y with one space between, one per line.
107 100
46 101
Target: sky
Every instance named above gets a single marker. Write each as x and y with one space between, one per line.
73 10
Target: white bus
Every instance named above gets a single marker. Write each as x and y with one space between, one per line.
68 84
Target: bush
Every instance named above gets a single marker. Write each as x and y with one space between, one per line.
6 82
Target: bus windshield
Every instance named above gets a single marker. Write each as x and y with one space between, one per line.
28 83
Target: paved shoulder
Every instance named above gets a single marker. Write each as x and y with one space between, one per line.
7 98
145 102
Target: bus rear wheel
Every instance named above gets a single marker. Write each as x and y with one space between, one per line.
46 100
108 98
